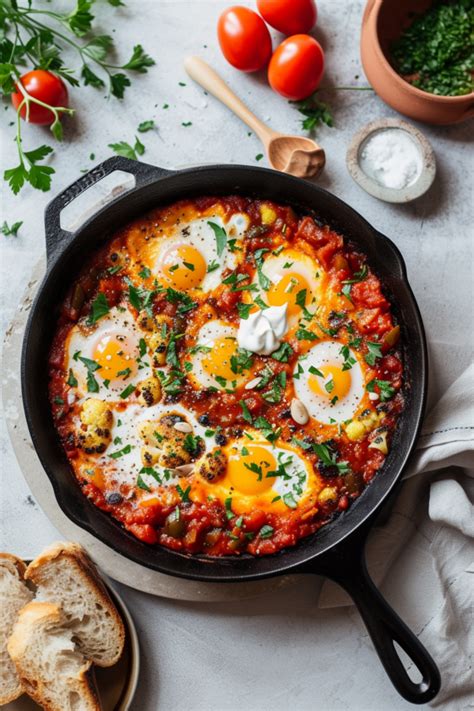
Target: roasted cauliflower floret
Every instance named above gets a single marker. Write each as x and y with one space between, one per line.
97 420
169 442
149 391
329 493
158 341
368 421
213 465
146 322
268 214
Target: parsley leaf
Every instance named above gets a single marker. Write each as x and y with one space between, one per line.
126 150
284 353
145 126
374 352
221 237
13 230
100 308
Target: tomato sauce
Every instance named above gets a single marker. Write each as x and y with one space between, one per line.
355 311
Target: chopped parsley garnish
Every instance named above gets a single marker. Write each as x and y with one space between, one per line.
183 493
192 444
124 373
301 298
120 452
142 347
255 468
244 310
212 266
245 411
228 508
142 484
328 457
358 276
349 360
303 335
266 531
283 354
145 273
315 371
374 352
100 307
178 297
72 380
289 500
91 366
386 389
221 237
128 391
242 361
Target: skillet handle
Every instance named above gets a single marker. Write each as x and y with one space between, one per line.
143 172
346 565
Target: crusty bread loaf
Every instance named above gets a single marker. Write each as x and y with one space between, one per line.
14 594
64 574
51 671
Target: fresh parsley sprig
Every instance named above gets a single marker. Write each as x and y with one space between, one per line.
38 36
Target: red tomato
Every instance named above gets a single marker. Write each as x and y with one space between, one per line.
46 87
291 17
296 67
244 39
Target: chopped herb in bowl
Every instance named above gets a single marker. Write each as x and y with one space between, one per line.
436 52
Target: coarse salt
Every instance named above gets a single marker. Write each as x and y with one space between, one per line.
391 158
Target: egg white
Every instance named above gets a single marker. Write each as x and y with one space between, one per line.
119 326
206 348
319 407
285 491
276 267
199 234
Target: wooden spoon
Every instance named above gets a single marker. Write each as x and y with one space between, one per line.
295 155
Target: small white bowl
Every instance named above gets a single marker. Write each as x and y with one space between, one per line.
417 188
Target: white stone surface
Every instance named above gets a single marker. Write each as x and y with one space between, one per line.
278 652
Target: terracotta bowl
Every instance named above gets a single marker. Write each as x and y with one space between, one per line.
383 23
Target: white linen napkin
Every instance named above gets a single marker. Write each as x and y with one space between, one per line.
429 534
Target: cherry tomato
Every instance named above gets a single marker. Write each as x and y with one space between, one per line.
291 17
244 39
296 67
46 87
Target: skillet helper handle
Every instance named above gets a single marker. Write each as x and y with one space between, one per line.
143 173
349 570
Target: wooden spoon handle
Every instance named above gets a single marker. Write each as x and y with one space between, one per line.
204 75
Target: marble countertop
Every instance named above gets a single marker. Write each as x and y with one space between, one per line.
279 651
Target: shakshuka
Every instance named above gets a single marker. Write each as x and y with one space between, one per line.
225 376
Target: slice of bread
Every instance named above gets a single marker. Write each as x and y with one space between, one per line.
64 574
14 594
51 671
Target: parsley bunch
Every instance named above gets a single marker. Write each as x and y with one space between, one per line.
32 37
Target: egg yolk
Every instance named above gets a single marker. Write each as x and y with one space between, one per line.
247 472
183 267
286 291
219 359
334 383
113 356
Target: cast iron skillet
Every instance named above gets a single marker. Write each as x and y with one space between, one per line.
337 550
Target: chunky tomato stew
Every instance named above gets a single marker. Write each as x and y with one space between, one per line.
225 376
